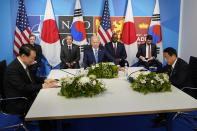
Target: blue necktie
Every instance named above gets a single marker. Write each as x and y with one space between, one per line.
96 55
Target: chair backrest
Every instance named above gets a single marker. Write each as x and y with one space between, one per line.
193 70
2 70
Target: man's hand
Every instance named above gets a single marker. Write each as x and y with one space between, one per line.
49 85
72 63
142 58
152 58
50 81
118 60
69 65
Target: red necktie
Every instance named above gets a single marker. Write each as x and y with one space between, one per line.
149 52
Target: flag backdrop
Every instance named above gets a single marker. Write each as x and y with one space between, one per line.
104 31
22 30
129 35
50 41
155 31
78 29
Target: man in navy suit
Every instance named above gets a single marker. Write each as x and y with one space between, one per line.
147 54
96 53
117 50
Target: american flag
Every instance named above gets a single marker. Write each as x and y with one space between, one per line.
22 30
104 32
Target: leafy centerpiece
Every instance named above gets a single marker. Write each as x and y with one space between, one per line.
104 70
81 85
152 82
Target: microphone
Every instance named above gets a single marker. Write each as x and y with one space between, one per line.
67 72
131 79
137 71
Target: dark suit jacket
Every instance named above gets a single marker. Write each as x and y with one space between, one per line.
18 84
120 51
68 58
179 77
38 58
103 56
142 50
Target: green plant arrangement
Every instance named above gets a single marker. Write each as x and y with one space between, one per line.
81 85
152 82
104 70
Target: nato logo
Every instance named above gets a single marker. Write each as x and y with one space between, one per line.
35 26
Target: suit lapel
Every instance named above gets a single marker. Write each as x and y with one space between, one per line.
23 71
92 54
112 48
152 49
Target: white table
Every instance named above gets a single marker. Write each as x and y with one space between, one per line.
119 99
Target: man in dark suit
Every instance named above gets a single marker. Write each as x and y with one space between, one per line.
117 50
70 54
177 69
96 53
178 72
37 63
20 82
147 54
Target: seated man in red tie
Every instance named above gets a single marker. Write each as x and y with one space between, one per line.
117 50
147 54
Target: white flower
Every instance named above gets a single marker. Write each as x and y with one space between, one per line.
92 76
161 81
93 67
111 63
143 81
166 77
94 82
97 65
67 80
84 80
157 77
152 81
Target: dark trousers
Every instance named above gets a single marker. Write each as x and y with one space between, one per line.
154 63
64 66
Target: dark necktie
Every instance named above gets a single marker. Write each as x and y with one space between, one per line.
69 49
27 70
171 70
115 48
149 52
69 53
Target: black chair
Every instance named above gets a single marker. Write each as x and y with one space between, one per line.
192 91
4 101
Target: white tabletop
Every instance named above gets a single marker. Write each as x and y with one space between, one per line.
119 99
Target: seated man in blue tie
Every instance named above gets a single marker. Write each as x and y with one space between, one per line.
96 53
117 50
